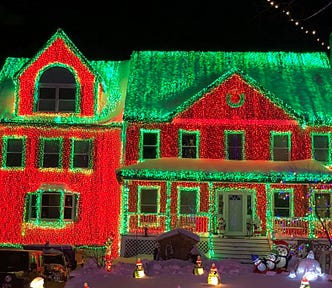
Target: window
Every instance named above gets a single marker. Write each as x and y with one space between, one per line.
150 144
81 153
282 203
51 206
321 147
57 91
234 145
189 144
280 146
323 204
50 153
149 199
14 152
188 201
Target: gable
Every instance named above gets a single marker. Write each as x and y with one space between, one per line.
58 53
100 85
234 99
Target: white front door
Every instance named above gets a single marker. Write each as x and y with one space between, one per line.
232 205
235 219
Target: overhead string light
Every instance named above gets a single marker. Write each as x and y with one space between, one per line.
299 24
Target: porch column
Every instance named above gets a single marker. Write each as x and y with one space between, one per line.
168 206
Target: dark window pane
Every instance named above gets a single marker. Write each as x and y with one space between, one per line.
51 160
150 138
47 93
81 161
81 154
188 202
149 200
67 93
46 106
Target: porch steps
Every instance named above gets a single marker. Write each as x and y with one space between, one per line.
240 249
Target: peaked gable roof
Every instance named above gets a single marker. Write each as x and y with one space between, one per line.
112 75
162 81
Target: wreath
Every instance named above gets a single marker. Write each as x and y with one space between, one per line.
237 104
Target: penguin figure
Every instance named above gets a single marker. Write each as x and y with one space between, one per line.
260 266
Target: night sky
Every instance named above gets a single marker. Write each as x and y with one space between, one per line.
111 30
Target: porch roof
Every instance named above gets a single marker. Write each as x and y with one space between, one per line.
221 170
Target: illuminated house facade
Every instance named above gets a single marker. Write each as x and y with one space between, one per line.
92 150
242 136
60 144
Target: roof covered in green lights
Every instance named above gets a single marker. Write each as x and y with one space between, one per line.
161 81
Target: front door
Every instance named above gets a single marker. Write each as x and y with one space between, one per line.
234 218
232 206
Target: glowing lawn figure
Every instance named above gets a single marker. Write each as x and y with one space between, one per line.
139 270
198 269
213 277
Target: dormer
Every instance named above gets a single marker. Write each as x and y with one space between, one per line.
59 85
58 81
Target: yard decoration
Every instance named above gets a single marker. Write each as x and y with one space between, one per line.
139 270
260 265
214 277
198 269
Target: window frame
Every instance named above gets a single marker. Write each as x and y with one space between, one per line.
34 207
195 146
195 190
238 148
328 210
46 81
290 207
274 148
328 148
43 140
140 198
89 153
6 152
156 146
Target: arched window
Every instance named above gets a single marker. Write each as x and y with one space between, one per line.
57 91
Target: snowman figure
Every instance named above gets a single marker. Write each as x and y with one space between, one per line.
309 267
260 266
283 255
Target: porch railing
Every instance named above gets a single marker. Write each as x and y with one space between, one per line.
301 228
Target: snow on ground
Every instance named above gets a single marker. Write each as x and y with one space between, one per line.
177 273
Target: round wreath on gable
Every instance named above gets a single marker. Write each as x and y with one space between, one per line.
235 100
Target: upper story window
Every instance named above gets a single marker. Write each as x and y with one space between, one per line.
234 143
321 150
188 200
13 152
50 155
81 154
189 144
282 203
280 146
148 199
57 91
149 144
51 206
323 204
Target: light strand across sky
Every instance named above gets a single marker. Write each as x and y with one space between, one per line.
299 23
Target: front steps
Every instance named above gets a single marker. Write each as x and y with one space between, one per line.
240 249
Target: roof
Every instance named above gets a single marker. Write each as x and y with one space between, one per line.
161 81
220 170
178 231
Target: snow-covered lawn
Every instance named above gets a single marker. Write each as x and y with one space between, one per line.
179 274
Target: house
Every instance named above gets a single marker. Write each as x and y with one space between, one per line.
60 129
92 151
240 136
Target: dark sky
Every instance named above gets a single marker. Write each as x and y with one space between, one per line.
111 30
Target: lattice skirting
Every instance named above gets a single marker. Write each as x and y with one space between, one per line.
135 245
